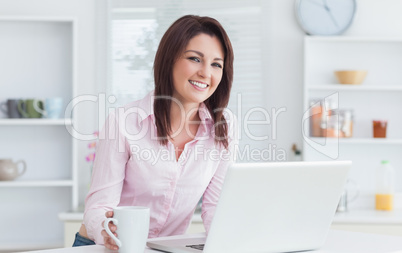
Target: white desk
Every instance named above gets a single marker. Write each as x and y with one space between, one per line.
365 220
337 242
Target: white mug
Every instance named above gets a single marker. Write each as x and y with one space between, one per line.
132 228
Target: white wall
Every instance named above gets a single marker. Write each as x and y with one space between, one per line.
284 72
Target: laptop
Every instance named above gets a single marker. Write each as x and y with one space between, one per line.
270 207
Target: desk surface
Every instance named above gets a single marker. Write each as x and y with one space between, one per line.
337 242
356 216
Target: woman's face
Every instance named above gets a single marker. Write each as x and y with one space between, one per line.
198 71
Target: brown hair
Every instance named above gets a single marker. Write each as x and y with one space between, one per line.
172 44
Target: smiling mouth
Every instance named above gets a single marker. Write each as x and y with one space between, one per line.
199 85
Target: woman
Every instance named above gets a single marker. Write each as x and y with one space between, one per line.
173 147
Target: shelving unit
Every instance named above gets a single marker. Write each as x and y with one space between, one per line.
36 122
378 97
351 141
38 61
337 87
37 183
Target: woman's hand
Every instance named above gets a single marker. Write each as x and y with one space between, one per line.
109 242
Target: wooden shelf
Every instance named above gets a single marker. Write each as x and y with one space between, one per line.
35 122
37 183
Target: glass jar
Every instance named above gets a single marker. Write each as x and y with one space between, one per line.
380 128
320 115
315 118
346 122
333 126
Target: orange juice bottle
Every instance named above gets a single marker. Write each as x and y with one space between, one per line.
384 197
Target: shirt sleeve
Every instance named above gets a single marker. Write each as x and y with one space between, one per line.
108 173
212 193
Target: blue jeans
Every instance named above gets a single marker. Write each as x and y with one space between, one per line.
82 241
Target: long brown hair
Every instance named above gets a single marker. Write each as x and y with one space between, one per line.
172 44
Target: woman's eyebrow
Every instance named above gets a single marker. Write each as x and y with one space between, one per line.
202 55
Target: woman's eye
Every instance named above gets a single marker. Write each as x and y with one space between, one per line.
217 65
196 59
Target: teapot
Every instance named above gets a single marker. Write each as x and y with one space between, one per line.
10 170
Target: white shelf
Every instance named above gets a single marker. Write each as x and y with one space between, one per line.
345 87
35 122
374 141
37 18
38 183
353 39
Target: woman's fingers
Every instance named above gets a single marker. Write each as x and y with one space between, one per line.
108 241
112 227
109 214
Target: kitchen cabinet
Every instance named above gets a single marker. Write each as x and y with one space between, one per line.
378 97
37 61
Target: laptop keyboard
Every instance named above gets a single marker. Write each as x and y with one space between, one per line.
198 246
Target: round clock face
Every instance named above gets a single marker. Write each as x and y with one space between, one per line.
325 17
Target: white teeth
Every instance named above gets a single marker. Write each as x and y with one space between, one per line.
201 85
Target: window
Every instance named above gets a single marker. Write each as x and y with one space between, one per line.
135 29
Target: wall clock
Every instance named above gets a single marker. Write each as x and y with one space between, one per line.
325 17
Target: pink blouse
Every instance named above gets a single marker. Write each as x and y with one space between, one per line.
131 168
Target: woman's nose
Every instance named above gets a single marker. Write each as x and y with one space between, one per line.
204 71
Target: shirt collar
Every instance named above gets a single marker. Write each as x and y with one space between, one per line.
206 124
204 114
147 105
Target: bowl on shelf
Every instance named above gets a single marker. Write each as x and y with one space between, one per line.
350 76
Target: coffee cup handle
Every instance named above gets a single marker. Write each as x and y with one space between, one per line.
106 227
24 168
20 107
37 107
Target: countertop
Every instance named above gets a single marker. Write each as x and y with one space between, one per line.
369 217
337 242
349 217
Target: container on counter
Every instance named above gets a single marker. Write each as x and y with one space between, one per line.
380 128
346 122
320 111
315 119
385 186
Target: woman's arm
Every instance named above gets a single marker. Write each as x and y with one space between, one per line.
108 176
212 193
